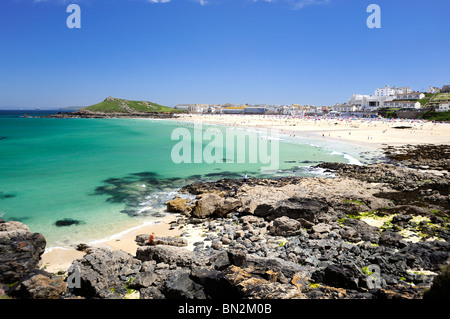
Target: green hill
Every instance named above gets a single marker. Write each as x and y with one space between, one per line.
115 105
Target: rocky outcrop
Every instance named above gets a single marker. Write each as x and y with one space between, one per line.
179 205
90 114
102 273
20 251
41 286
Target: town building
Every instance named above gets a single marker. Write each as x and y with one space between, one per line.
443 107
368 102
410 96
255 109
445 89
403 104
388 91
433 89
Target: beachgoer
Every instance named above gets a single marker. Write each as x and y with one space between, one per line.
245 176
151 239
235 190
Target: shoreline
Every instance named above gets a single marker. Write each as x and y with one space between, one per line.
374 133
57 259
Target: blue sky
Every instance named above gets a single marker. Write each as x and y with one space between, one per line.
240 51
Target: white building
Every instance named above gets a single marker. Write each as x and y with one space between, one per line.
183 107
368 102
410 96
388 91
403 104
433 89
443 107
344 108
402 90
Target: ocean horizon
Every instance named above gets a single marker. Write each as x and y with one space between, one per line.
83 180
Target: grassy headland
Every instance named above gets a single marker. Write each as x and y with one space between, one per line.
116 105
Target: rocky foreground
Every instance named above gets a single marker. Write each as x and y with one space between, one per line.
378 231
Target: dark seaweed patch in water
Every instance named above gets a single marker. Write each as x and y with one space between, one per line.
134 189
145 174
148 187
224 175
5 196
18 219
68 222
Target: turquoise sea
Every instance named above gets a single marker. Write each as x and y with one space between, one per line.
78 180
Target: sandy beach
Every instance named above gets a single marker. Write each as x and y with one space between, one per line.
374 133
366 132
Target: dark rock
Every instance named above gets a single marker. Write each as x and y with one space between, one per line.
166 254
440 288
101 270
284 226
41 287
390 238
297 207
82 247
364 231
180 286
344 276
143 280
237 258
20 251
142 240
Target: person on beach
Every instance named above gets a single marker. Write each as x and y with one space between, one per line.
151 239
245 176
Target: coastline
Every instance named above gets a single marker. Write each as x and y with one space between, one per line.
353 133
59 259
373 133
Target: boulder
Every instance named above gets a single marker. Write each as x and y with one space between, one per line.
142 240
227 206
40 286
179 205
20 251
179 285
390 238
207 205
102 270
284 226
363 231
342 276
295 207
165 254
322 228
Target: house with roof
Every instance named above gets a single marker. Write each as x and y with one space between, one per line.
410 96
443 107
404 104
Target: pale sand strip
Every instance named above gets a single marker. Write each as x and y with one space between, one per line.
372 133
59 258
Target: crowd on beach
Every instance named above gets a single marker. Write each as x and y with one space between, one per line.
374 130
